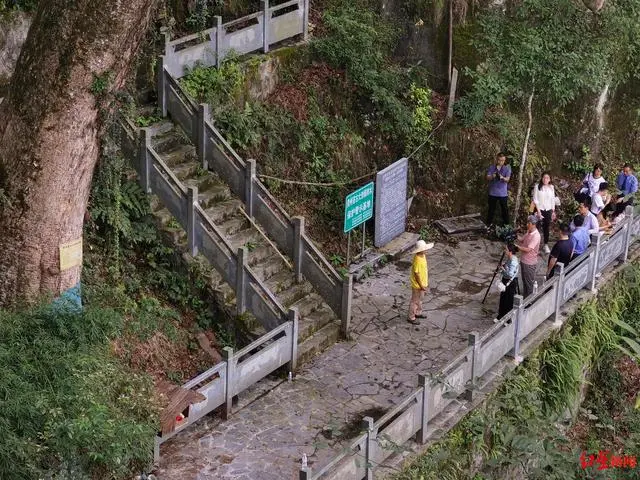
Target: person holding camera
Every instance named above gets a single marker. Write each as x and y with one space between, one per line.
509 284
498 177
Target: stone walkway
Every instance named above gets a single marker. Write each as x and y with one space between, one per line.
321 409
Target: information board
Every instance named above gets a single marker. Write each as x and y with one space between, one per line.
391 202
358 207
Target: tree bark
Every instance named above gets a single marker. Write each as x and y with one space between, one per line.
523 161
76 52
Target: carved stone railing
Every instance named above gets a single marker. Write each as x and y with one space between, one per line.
410 419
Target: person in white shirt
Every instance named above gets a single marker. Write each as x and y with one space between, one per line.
600 199
544 199
590 221
591 183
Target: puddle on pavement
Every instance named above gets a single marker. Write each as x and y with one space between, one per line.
354 427
469 287
453 303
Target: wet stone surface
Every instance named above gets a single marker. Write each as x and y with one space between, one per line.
320 411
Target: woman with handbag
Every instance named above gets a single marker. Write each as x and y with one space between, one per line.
544 199
590 184
508 286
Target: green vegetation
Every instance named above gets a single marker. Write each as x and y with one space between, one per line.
343 110
24 5
556 47
520 431
69 409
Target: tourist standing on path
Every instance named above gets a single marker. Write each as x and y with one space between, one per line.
580 237
590 183
561 251
510 281
498 176
419 280
544 199
530 247
627 183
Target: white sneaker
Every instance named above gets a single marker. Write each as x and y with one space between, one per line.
546 248
495 320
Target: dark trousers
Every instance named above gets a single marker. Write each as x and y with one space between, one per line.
620 207
546 223
506 297
493 202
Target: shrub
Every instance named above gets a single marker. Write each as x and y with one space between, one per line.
66 404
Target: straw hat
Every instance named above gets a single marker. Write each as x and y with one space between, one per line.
422 246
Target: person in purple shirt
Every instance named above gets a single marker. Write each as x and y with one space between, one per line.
498 177
627 183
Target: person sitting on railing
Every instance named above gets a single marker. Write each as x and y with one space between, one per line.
627 183
580 237
561 251
509 271
590 184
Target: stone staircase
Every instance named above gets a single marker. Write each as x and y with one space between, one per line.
318 325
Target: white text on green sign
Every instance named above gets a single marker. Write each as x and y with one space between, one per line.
358 207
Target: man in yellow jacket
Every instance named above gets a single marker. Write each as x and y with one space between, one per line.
419 280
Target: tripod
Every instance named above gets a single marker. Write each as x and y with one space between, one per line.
494 276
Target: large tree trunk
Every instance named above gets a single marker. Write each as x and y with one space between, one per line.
523 160
49 125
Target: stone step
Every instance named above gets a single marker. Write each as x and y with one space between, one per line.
321 340
315 321
159 130
281 281
271 266
203 182
222 210
180 155
233 225
166 140
308 304
295 293
185 170
214 194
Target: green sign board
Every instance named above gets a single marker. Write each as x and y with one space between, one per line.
358 207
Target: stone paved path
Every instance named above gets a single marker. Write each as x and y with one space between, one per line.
322 407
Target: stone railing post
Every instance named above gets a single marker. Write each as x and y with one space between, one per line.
425 384
192 200
628 214
293 317
144 160
474 342
298 250
201 135
597 238
219 39
227 354
266 20
241 281
305 20
367 423
518 304
162 86
557 323
345 317
156 449
305 473
249 185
